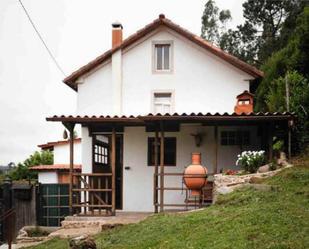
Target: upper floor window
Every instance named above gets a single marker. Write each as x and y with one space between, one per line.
162 103
162 57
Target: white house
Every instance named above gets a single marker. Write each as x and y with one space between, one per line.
168 85
58 172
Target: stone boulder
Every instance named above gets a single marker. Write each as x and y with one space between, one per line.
256 180
263 169
282 161
83 242
224 190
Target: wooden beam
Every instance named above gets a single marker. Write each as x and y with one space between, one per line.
156 171
290 123
71 130
270 141
162 168
113 164
216 150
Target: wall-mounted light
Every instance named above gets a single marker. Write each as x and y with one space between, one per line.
198 137
65 134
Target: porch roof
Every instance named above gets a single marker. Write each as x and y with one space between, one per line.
54 167
141 120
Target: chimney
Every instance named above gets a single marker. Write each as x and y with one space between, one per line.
244 103
116 34
117 69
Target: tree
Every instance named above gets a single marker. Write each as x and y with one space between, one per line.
22 171
214 22
289 64
267 26
298 103
294 56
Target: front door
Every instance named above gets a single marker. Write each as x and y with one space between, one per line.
102 162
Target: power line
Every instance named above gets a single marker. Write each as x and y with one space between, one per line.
41 38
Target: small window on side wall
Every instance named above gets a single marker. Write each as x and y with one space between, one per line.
169 151
235 138
162 57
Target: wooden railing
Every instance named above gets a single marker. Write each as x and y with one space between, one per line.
92 193
205 197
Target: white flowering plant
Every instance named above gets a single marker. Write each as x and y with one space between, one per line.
250 161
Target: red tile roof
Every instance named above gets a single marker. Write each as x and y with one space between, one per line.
52 144
71 79
56 167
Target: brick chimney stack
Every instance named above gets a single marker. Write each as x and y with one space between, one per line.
244 103
116 34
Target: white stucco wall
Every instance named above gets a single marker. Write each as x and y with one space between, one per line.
62 153
138 181
94 95
201 81
47 177
86 151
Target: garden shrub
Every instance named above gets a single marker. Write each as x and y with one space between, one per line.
250 161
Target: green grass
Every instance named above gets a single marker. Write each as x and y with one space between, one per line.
247 218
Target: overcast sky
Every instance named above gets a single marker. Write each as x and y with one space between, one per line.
76 31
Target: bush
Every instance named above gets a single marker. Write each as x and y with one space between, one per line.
250 161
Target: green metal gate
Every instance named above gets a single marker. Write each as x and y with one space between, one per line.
53 204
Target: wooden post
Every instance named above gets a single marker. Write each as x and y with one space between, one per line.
289 138
270 141
71 130
216 150
156 170
113 161
162 168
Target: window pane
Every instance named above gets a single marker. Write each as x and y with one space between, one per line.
166 57
159 55
166 108
169 151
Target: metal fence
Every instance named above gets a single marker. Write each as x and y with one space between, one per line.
53 204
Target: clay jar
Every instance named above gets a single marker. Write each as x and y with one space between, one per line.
195 175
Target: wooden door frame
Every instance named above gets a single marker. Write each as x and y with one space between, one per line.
109 136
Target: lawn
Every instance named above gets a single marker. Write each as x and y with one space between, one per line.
247 218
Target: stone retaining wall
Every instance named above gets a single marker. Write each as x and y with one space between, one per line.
224 184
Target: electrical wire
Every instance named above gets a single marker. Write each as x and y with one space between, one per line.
41 38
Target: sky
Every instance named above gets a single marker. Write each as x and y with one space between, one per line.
76 31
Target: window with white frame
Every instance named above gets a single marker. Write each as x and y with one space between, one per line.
162 103
162 54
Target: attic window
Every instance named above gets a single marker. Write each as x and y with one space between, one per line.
162 102
162 57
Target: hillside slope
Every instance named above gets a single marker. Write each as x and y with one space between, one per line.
247 218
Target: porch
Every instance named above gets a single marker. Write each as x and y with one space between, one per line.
101 190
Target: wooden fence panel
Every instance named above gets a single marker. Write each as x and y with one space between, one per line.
25 210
